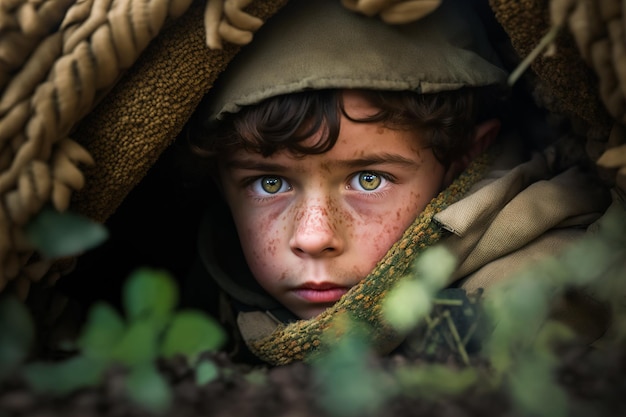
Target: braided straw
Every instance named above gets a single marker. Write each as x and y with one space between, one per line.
395 12
57 58
227 20
148 108
585 73
598 28
564 74
304 338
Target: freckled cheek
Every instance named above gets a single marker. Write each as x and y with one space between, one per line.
373 236
387 237
377 233
261 241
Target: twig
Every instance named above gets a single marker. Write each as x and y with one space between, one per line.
545 41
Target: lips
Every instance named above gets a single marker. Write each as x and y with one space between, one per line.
320 292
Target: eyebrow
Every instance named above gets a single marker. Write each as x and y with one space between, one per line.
368 160
384 158
253 165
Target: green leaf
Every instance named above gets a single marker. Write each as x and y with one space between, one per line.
148 389
103 330
588 260
411 300
434 267
534 389
56 234
150 293
138 344
613 225
191 333
18 333
525 295
407 304
435 381
350 386
62 378
206 372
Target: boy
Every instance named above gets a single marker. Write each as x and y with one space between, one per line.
331 133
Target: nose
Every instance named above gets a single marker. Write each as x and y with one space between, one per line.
315 233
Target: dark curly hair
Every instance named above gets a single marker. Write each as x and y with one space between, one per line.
446 120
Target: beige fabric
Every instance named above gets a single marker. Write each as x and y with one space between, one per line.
550 244
255 325
519 217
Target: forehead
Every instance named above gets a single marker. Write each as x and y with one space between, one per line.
355 140
358 145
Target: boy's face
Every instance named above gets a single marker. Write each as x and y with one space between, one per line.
312 227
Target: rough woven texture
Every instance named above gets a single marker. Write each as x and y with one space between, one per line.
57 58
148 108
152 101
363 303
566 85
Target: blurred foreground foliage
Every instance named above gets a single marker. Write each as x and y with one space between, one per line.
56 235
508 341
520 339
151 329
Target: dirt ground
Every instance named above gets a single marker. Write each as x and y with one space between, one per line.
595 382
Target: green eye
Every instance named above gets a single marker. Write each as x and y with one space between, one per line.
369 181
271 185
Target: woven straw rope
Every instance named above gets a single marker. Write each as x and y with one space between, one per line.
56 58
599 31
59 57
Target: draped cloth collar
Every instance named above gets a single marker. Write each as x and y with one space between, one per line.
277 342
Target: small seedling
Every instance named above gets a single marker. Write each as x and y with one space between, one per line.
412 299
349 386
150 330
